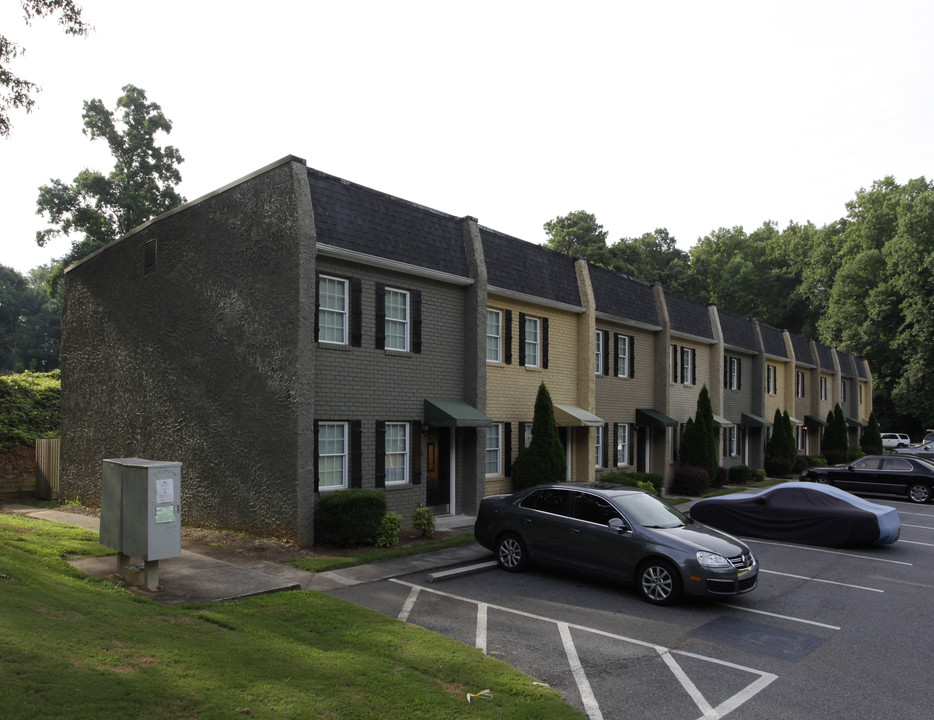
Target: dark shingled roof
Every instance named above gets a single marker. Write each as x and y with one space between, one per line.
847 364
623 296
737 331
772 341
529 269
825 356
802 348
688 316
353 217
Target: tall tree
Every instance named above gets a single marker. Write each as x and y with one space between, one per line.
18 94
543 460
29 322
653 257
580 235
140 186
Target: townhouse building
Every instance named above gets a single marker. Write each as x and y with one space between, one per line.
808 424
294 334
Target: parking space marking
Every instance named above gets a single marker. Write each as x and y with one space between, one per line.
915 542
820 580
409 603
591 706
782 617
829 552
923 527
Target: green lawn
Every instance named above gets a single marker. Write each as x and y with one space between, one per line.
78 647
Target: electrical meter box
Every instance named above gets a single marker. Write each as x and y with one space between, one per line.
141 508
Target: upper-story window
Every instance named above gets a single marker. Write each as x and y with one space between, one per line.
843 390
494 336
624 356
771 379
397 319
333 309
598 354
732 373
533 341
688 356
799 384
823 388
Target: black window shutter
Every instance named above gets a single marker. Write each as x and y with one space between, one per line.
522 338
606 352
632 356
544 343
507 337
615 444
380 316
356 312
522 436
684 352
606 445
317 459
416 451
416 328
631 445
693 366
317 311
726 372
379 455
507 449
675 363
739 374
356 457
616 337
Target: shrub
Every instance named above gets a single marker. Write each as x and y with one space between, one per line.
29 408
739 475
720 478
653 482
777 466
835 457
759 474
424 522
349 517
387 534
801 464
817 461
690 481
543 460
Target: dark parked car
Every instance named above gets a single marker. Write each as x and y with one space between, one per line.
802 513
618 532
880 474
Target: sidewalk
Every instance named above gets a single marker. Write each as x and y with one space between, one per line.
197 575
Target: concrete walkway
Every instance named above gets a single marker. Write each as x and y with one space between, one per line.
200 575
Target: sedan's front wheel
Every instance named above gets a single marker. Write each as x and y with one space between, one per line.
919 492
659 582
511 553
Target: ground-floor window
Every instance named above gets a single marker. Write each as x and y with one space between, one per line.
494 449
622 444
397 452
332 455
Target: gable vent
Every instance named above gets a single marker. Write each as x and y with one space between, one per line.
149 257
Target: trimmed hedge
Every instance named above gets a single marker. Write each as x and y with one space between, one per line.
30 407
349 517
739 475
690 481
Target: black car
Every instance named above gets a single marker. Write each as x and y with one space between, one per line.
880 474
617 532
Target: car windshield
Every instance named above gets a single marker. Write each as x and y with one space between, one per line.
649 511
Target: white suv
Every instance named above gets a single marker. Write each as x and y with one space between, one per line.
895 440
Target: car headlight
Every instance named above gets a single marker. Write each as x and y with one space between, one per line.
712 560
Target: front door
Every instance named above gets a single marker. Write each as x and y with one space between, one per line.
438 492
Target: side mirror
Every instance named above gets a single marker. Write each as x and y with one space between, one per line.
618 525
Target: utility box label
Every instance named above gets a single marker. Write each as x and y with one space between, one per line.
165 514
165 491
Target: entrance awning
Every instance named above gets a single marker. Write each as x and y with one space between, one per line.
750 420
453 413
648 418
722 422
853 422
795 421
812 421
578 417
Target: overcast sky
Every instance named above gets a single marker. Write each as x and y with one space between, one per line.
685 115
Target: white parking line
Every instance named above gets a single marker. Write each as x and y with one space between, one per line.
409 603
591 706
823 550
820 580
915 542
782 617
923 527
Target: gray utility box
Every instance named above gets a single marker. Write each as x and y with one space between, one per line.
141 513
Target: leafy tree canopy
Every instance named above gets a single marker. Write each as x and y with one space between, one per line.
16 93
141 185
30 320
580 235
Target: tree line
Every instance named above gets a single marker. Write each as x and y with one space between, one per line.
862 284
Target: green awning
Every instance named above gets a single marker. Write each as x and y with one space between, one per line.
812 421
722 422
648 418
453 413
750 420
853 422
574 416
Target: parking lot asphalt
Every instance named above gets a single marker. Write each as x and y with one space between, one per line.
198 575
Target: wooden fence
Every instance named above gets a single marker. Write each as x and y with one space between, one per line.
47 468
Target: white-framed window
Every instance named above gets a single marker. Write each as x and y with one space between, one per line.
397 452
799 384
622 444
532 342
843 390
332 455
730 448
494 449
686 365
598 355
732 373
622 356
494 336
527 437
823 388
771 383
598 445
800 438
333 304
397 319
